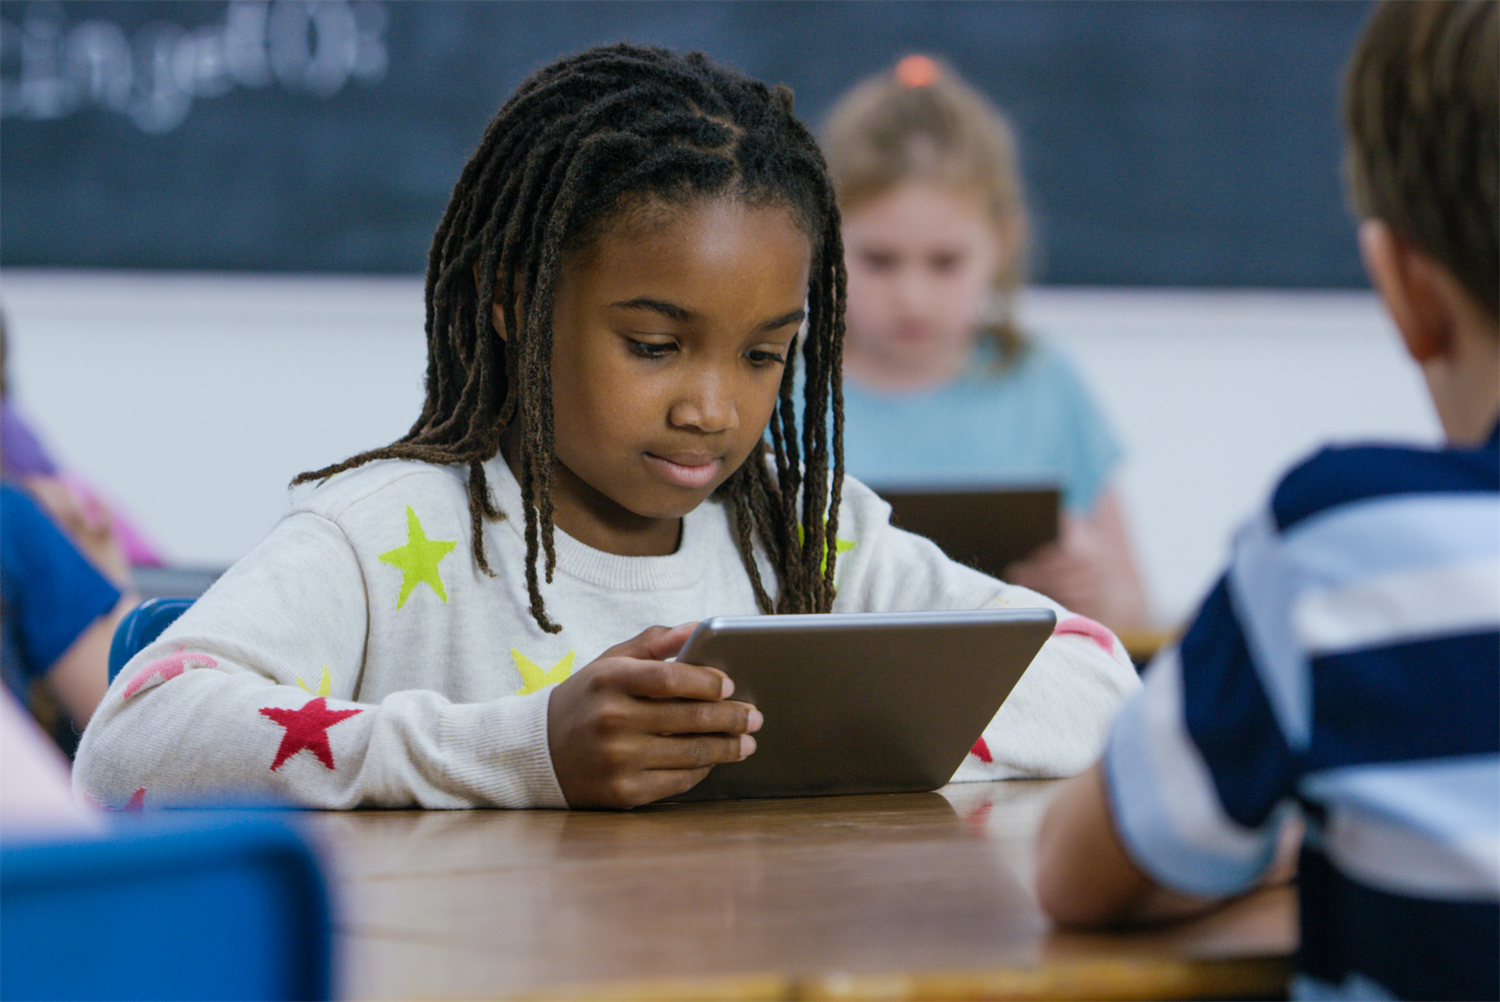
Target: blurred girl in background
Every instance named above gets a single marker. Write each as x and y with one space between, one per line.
941 384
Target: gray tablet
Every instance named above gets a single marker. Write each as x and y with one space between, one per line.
863 702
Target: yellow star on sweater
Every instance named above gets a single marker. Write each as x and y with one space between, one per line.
840 546
325 684
534 677
418 559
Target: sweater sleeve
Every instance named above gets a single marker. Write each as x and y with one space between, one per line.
225 705
1056 720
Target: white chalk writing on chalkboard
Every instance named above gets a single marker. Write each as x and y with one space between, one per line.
53 69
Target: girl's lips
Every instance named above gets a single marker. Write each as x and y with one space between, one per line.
683 474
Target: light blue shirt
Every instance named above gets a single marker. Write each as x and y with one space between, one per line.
1035 422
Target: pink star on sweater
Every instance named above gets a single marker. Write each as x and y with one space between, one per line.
306 728
167 668
1085 627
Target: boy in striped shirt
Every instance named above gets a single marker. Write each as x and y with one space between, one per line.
1345 671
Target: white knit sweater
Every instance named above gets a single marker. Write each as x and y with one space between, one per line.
358 657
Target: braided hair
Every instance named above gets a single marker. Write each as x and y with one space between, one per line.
579 143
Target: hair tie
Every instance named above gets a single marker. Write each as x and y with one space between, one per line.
918 71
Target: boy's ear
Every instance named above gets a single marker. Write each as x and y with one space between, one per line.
1414 293
497 315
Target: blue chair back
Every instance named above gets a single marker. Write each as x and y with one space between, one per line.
205 905
140 626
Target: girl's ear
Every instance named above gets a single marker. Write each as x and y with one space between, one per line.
1414 293
497 315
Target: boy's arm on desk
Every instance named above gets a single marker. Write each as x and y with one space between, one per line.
1084 876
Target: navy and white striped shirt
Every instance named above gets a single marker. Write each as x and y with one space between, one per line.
1347 666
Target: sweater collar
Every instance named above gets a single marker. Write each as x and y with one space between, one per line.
609 570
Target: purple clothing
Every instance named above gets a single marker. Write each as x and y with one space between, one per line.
21 454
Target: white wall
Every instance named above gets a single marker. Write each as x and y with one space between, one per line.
1215 393
193 399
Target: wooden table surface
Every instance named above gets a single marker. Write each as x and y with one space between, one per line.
903 896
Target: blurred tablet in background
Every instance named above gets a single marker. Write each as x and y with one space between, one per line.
986 527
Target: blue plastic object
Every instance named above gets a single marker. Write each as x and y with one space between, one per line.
140 626
205 905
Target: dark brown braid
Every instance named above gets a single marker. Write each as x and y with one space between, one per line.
579 143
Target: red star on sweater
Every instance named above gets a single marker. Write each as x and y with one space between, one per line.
306 728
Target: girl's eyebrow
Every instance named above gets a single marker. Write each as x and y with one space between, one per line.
670 310
674 312
794 317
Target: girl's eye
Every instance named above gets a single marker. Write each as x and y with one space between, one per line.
650 349
947 264
758 357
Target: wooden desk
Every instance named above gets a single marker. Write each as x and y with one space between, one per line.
907 896
1143 643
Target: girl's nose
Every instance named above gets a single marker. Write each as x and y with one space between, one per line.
911 289
707 404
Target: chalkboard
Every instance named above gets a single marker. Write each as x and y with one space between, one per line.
1185 143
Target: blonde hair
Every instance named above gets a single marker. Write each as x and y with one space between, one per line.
920 121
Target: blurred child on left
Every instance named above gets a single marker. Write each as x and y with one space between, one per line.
60 615
63 590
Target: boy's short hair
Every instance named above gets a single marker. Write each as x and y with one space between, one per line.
1420 108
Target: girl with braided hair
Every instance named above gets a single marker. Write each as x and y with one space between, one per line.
634 264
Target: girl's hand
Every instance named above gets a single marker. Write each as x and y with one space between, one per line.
632 727
1090 568
1073 570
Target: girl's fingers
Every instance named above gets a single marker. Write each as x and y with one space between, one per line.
660 765
631 728
645 679
655 643
657 784
695 717
682 752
